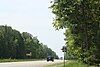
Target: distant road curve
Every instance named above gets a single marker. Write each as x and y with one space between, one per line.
29 63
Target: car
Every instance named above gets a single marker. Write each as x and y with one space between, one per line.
50 58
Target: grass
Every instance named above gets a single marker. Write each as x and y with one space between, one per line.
75 64
56 65
15 60
8 60
70 64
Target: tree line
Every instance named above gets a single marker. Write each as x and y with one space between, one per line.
16 45
81 21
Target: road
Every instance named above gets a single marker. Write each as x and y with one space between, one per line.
29 63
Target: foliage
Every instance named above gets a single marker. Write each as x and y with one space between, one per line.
16 45
81 20
75 64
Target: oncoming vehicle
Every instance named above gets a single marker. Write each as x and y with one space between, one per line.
50 58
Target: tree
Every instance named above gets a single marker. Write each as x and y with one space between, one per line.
11 43
81 20
47 51
20 46
30 46
15 45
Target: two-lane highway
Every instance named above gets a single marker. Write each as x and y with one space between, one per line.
29 63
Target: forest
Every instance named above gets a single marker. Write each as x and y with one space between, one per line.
16 45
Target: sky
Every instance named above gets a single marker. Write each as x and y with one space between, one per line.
34 17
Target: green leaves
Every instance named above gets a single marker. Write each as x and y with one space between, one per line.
15 45
81 20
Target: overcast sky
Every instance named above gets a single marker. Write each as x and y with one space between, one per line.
32 16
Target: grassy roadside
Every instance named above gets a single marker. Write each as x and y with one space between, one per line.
56 65
16 60
71 63
75 64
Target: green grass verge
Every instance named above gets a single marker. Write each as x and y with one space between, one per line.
70 64
56 65
76 64
16 60
8 60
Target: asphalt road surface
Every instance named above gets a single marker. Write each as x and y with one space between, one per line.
29 63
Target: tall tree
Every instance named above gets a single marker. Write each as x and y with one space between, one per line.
81 20
11 43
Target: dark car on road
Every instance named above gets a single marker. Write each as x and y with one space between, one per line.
50 58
